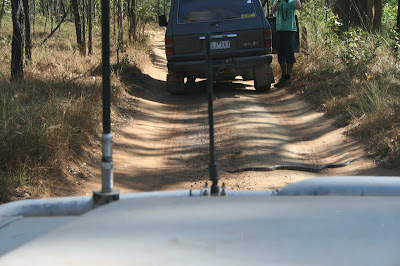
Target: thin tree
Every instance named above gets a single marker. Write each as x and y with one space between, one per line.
132 20
158 9
78 27
58 10
120 24
28 40
46 13
2 11
90 26
120 45
398 16
51 8
378 12
114 16
17 46
84 25
34 17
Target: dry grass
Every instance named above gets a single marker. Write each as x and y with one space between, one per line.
356 78
48 119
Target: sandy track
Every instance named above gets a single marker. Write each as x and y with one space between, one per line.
165 146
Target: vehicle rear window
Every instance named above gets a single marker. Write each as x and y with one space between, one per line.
211 10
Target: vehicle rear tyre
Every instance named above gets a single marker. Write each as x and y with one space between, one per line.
175 84
270 75
262 82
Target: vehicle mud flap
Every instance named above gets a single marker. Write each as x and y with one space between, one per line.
262 80
175 84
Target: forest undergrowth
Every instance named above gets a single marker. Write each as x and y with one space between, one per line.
53 117
354 76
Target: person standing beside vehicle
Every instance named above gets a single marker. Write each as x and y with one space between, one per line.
286 31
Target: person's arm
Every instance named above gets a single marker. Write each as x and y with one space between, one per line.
275 7
297 4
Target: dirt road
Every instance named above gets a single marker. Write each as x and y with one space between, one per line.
164 145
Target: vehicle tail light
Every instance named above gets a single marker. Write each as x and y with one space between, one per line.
268 38
169 46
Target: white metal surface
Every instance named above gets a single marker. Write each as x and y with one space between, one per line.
22 230
344 186
312 230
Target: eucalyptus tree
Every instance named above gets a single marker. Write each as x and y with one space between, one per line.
78 26
2 11
366 14
17 46
28 40
398 16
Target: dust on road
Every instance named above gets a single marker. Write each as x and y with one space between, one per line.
165 144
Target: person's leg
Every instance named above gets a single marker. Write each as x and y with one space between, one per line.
281 58
285 79
284 68
290 58
289 68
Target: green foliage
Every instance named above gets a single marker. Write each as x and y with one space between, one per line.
389 16
358 49
334 23
145 13
394 42
355 74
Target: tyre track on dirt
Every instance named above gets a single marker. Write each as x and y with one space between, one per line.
165 146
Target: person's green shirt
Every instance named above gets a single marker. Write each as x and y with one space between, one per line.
285 16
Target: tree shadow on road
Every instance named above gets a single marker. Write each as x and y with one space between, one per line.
184 117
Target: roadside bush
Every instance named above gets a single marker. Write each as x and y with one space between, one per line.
355 76
41 124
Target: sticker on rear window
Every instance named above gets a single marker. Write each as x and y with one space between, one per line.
248 15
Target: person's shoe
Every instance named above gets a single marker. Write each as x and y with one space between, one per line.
283 82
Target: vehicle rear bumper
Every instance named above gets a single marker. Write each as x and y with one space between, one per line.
231 64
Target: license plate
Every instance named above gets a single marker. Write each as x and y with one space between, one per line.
220 45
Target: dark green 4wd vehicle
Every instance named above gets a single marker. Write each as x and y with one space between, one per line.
241 42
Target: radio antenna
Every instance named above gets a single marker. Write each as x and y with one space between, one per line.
107 193
213 168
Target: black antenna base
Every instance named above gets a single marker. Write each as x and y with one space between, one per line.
102 198
214 177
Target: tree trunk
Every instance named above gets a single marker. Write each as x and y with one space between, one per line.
90 15
378 11
132 20
398 16
34 18
28 41
84 25
121 23
46 10
120 47
17 47
43 8
58 10
51 15
78 28
355 13
63 10
158 9
114 16
2 11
